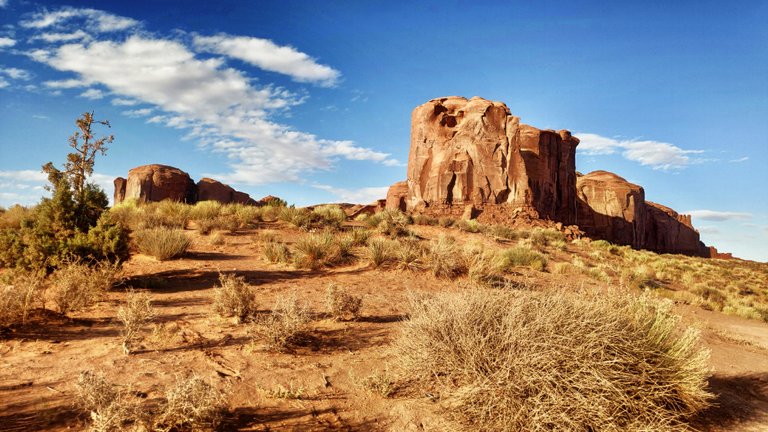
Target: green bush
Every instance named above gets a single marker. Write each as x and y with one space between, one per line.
521 256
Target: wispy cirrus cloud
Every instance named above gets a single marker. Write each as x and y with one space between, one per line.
655 154
62 37
718 216
91 19
739 160
267 55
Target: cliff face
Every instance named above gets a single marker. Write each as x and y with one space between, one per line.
614 209
474 152
473 155
149 183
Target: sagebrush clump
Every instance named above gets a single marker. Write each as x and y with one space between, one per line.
135 314
162 243
542 361
234 297
340 304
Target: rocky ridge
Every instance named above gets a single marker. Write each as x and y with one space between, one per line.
149 183
473 158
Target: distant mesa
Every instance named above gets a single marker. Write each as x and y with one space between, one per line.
151 183
473 158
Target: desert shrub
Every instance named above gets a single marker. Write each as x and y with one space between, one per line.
331 216
313 251
522 256
276 252
106 242
712 298
134 314
50 237
270 213
14 216
446 222
501 231
77 286
191 404
470 226
359 236
445 258
408 254
18 296
379 252
126 213
498 362
393 223
162 243
231 223
163 214
564 268
234 297
298 217
205 210
109 408
217 239
420 219
545 236
639 277
340 304
285 325
483 269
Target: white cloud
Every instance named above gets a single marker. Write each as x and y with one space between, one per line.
15 73
364 195
124 102
709 230
6 42
96 20
26 186
742 159
27 176
267 55
718 216
138 112
40 117
219 105
62 37
3 3
65 84
656 154
4 83
92 94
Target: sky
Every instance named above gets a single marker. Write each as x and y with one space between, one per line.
311 101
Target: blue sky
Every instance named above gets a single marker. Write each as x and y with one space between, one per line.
311 101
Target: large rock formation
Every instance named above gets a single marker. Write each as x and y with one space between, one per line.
611 208
614 209
474 152
154 182
209 189
472 157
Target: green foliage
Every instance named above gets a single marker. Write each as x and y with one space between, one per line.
522 256
59 229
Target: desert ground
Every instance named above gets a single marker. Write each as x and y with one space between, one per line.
335 377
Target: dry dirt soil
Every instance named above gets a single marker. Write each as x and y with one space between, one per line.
324 374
